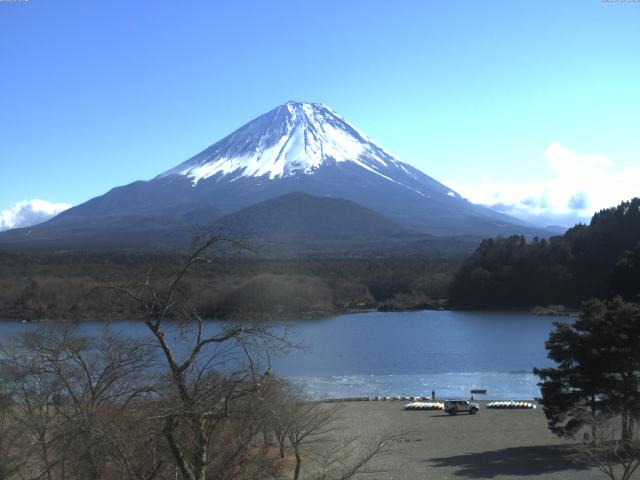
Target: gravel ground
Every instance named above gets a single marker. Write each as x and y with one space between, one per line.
494 444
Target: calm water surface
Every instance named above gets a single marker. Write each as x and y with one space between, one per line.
408 353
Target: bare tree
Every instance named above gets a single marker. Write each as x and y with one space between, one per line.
307 423
312 430
137 447
275 397
349 457
71 395
616 449
211 375
34 392
13 440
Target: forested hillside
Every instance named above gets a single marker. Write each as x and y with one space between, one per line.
601 259
69 286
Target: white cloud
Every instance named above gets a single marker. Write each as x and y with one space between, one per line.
581 185
30 212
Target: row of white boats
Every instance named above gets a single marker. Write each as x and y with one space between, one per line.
510 404
424 406
427 403
379 398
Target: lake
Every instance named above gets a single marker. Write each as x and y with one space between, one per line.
404 353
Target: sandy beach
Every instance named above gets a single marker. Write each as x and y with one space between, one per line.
493 444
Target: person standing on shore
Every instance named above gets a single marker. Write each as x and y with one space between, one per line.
433 394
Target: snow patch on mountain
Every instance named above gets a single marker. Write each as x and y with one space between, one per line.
295 138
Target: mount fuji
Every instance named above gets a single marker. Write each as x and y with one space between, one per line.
297 147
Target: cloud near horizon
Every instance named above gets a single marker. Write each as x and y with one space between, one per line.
30 212
581 185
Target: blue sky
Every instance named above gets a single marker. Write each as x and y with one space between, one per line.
530 105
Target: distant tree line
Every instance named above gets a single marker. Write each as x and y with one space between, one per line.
601 259
63 286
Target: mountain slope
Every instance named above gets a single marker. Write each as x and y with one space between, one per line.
297 147
301 215
302 225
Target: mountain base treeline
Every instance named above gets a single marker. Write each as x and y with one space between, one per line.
78 287
600 260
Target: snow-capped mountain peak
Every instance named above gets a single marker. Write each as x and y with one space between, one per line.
294 138
295 149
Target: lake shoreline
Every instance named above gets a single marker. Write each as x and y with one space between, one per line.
321 315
